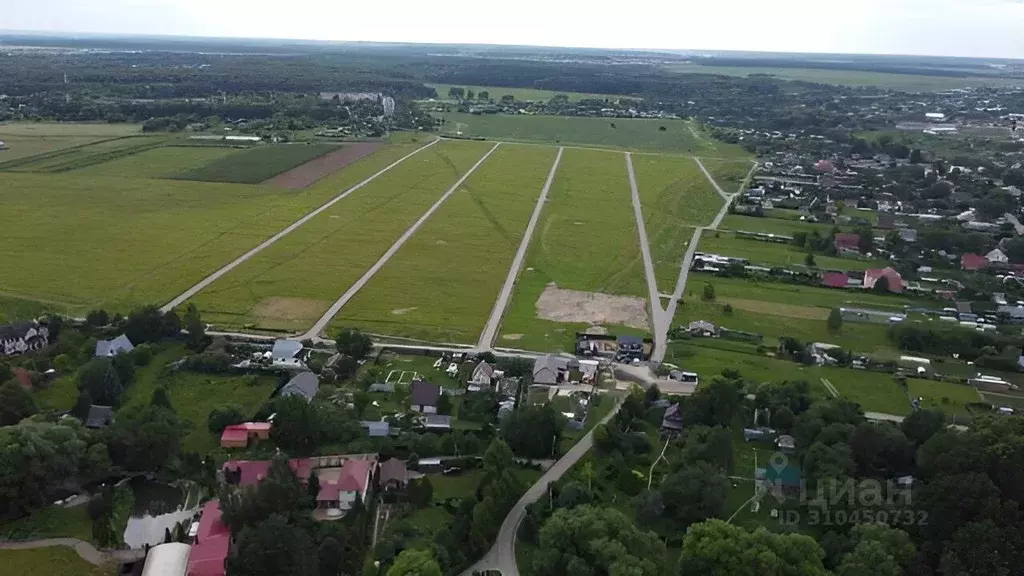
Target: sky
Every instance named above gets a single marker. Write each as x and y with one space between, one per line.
978 28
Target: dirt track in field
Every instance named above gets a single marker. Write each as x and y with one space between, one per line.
308 173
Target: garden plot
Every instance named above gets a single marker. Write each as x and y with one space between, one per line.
442 284
675 196
402 377
291 283
585 241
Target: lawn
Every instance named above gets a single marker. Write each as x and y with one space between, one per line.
19 147
257 164
709 362
875 392
586 240
163 162
774 225
289 285
194 395
25 139
901 82
631 133
48 562
82 156
521 94
786 293
729 174
423 365
458 261
50 522
675 196
777 254
944 396
13 309
127 242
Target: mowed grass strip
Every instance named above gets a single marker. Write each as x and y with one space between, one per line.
586 240
163 162
19 147
49 561
291 283
729 174
675 197
637 134
125 242
770 254
81 156
258 163
770 225
458 260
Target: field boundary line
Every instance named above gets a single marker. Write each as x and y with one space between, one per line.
657 312
831 389
314 332
486 340
727 197
291 228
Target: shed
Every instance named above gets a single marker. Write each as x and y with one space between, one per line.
118 345
99 416
304 384
169 559
285 350
437 422
423 396
376 429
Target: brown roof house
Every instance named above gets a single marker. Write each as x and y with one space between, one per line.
393 475
672 422
847 243
423 396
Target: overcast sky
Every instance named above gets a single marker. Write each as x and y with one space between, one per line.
992 28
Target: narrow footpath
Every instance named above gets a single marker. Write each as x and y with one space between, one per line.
87 551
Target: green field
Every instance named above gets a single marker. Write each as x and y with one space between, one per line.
25 139
127 242
49 522
875 392
12 309
943 396
48 562
458 260
901 82
257 164
163 162
770 254
675 196
83 156
729 174
629 133
782 226
585 240
521 94
708 362
291 283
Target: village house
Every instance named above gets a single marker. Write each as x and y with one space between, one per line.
630 348
972 262
996 256
550 370
119 345
376 429
342 479
212 543
847 243
99 417
22 337
423 396
285 350
482 374
672 421
241 435
393 475
893 279
304 385
835 280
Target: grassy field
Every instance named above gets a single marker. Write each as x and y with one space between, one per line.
901 82
708 362
943 396
458 260
521 94
50 522
729 174
25 139
163 162
12 309
629 133
874 392
257 164
782 226
83 156
49 561
776 254
290 284
675 196
126 242
784 293
586 240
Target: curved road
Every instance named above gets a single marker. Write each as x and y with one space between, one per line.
291 228
87 551
502 555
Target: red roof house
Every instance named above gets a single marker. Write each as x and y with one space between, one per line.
210 549
895 281
835 280
239 435
341 478
24 377
825 166
973 262
847 242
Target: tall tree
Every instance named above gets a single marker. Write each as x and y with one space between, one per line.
413 562
330 557
99 378
15 403
694 493
590 540
82 405
296 426
921 425
532 431
161 398
145 438
835 320
271 548
715 547
196 340
353 343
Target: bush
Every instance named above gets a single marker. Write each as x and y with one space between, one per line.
215 363
142 355
224 416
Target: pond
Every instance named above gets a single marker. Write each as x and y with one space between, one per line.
159 507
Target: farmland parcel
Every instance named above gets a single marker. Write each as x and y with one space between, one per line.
631 133
118 243
675 196
258 163
584 255
729 174
24 139
291 283
442 284
163 162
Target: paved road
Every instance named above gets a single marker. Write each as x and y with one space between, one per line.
502 555
87 551
883 416
657 313
273 239
491 329
355 288
722 193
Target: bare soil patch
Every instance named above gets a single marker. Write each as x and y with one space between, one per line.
317 168
591 307
778 309
512 337
290 308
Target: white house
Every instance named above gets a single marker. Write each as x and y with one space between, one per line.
105 348
997 256
23 337
482 374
